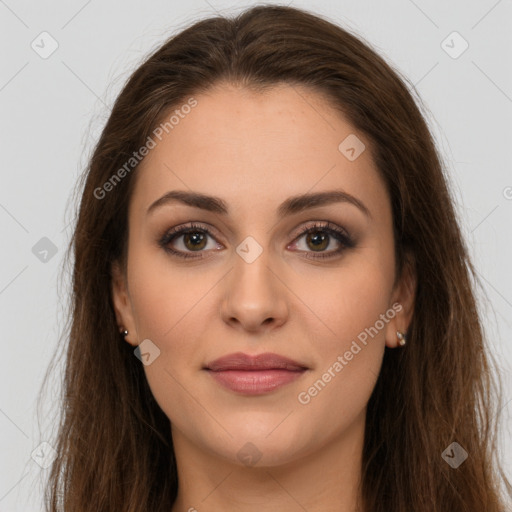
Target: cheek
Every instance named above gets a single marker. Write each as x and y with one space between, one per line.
351 311
349 357
168 310
343 304
165 296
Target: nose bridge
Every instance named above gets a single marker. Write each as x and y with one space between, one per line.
251 271
253 294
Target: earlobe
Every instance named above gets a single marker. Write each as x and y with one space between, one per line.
122 304
403 303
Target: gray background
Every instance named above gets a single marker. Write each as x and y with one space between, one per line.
52 111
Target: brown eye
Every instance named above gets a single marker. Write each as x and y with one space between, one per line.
319 236
318 240
194 240
185 240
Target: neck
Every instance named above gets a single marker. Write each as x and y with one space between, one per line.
325 480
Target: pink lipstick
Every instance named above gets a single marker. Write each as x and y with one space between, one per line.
254 375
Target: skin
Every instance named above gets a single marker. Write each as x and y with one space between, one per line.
254 150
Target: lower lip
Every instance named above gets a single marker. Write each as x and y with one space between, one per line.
255 382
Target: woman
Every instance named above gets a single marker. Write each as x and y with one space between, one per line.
273 306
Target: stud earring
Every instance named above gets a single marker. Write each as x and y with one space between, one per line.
124 333
402 338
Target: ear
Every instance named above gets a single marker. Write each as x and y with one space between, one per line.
402 303
122 304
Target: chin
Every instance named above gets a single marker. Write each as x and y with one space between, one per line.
262 444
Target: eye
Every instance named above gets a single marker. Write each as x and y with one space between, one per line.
183 241
319 236
194 239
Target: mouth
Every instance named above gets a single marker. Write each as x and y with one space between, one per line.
254 375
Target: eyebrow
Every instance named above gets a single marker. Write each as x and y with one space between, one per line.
290 206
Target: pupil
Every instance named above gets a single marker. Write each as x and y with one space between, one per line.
318 240
196 239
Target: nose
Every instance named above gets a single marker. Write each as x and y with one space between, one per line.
254 297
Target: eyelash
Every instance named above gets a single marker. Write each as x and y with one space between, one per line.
327 227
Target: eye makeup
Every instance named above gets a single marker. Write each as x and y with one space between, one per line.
316 232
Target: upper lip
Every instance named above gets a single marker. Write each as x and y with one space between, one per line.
266 361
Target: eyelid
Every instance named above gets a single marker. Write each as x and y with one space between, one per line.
339 233
186 227
321 224
181 229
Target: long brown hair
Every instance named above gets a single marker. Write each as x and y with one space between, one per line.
114 442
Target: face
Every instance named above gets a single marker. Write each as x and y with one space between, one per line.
311 281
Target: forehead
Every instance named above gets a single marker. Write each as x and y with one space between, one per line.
253 147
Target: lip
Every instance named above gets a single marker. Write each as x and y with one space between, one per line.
254 375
